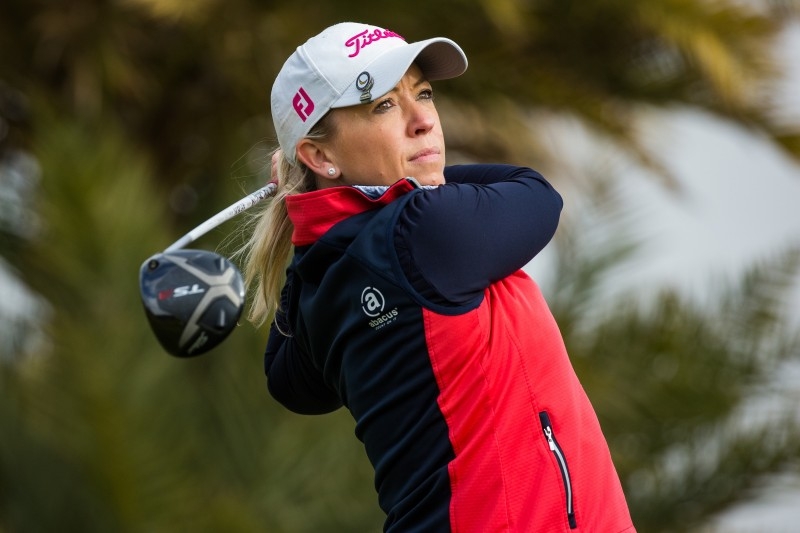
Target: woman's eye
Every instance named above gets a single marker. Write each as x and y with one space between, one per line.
426 94
384 105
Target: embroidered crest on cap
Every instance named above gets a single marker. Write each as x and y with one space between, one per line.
364 83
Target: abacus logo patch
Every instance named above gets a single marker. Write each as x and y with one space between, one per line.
373 305
372 301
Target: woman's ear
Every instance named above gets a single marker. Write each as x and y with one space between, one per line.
315 157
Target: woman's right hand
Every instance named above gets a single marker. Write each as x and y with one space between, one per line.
276 157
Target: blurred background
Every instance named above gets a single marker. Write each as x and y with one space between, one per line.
672 128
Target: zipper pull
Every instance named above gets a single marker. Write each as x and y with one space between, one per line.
549 434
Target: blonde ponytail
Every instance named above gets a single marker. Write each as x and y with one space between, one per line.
269 248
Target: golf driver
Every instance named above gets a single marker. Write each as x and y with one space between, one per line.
193 298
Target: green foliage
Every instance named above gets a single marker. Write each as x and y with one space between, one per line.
102 430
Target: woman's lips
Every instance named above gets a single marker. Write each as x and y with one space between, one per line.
427 154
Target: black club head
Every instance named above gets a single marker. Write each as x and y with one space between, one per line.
192 298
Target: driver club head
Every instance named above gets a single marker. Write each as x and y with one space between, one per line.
192 298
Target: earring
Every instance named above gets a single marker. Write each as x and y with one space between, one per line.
331 171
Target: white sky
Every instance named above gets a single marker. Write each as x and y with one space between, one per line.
739 205
742 205
742 195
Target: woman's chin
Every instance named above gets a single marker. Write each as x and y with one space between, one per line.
430 179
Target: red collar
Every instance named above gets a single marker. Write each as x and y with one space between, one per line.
314 213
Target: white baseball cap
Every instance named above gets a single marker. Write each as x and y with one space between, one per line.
349 64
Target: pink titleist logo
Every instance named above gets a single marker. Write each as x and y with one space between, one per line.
358 41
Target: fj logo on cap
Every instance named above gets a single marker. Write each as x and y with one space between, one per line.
303 104
364 83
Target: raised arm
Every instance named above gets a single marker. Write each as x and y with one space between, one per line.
487 222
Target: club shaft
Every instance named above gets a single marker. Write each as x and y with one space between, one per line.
223 216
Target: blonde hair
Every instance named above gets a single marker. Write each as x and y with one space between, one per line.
269 248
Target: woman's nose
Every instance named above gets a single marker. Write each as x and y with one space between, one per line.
423 118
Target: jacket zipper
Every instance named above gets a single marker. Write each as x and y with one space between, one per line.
547 428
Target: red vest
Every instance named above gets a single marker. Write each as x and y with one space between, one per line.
508 475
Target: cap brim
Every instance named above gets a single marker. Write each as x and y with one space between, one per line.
438 59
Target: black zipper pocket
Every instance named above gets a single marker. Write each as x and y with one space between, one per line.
547 428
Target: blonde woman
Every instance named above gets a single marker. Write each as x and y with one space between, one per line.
393 287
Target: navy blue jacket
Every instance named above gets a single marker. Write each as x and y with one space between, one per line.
410 309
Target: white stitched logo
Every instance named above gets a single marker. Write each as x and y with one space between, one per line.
373 303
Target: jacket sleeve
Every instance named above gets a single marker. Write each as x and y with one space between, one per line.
292 378
482 174
485 223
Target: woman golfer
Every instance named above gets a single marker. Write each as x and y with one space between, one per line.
404 301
